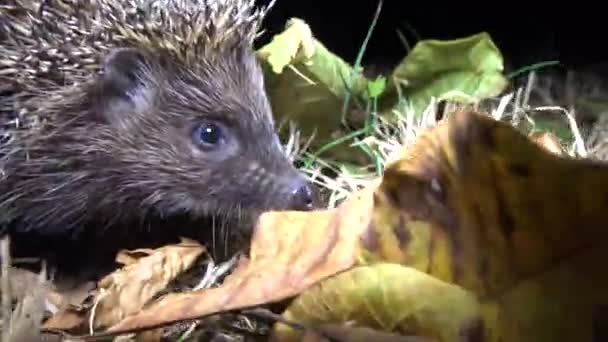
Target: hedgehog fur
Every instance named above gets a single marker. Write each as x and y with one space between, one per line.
54 44
102 104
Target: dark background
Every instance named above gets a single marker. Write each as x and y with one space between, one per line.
575 33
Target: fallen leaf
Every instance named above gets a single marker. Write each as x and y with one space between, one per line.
78 295
389 298
127 258
462 70
68 304
35 296
476 203
290 251
489 194
126 290
68 319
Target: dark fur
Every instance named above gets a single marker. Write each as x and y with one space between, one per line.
114 163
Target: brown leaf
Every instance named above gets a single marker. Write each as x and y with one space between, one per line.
125 291
70 309
290 251
70 318
74 296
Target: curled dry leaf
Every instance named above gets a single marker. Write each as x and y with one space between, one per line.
125 291
390 298
69 305
290 251
74 296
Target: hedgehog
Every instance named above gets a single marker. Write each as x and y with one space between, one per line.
124 121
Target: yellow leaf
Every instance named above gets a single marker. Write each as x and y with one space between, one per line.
501 216
391 298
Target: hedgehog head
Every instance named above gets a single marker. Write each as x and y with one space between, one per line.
152 106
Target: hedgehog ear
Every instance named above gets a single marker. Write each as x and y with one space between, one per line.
123 83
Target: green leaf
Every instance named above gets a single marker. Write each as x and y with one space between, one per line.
306 82
376 87
287 46
464 70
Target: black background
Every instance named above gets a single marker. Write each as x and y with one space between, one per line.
575 33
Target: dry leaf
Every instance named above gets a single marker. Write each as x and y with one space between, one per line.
68 319
131 257
74 296
290 251
125 291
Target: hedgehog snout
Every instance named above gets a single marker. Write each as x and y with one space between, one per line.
302 194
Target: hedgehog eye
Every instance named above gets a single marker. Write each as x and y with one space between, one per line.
208 135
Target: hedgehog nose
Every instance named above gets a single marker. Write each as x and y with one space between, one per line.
303 196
